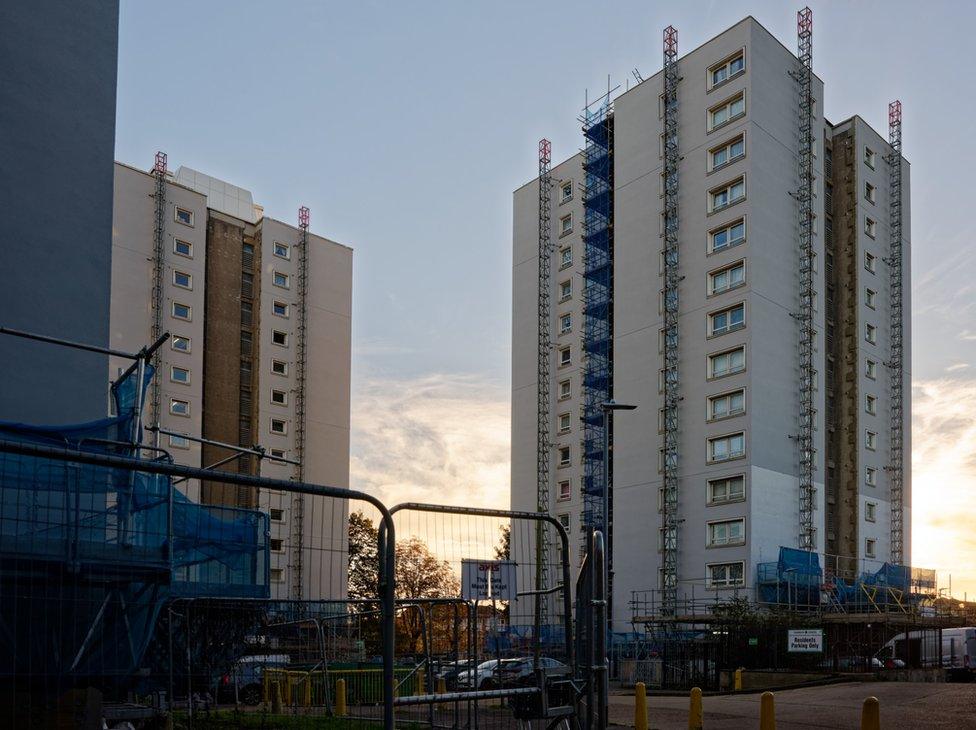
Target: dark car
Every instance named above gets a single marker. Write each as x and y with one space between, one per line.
449 671
520 672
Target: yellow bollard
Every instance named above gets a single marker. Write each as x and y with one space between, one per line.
640 707
737 682
767 712
421 682
696 718
340 703
871 714
276 698
441 686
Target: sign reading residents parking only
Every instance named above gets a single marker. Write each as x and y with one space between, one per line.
805 641
488 579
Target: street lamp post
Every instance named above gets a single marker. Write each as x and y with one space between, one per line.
608 408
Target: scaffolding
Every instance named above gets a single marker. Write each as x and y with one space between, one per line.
301 367
158 266
597 385
804 317
543 441
896 362
672 277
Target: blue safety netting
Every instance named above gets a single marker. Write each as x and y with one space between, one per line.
795 579
89 554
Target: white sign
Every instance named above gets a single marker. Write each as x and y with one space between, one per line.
805 640
488 579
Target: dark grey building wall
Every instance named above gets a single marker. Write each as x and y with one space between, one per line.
57 141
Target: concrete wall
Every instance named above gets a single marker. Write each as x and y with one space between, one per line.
57 113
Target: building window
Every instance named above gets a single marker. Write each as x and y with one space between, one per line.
564 521
179 375
279 338
565 389
278 453
179 407
566 191
280 309
871 333
277 575
871 369
870 440
727 153
182 248
870 193
179 442
565 290
728 320
723 448
727 70
726 112
870 227
871 476
182 280
727 363
564 423
869 261
279 397
566 225
725 575
728 278
870 297
727 404
870 511
726 532
184 216
564 456
729 489
564 491
180 343
276 514
276 544
727 236
871 405
565 356
565 323
726 195
278 426
566 257
182 311
279 367
281 280
281 250
869 157
870 545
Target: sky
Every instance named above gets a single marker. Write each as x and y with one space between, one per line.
405 127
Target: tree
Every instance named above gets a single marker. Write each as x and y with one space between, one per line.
364 560
420 574
503 550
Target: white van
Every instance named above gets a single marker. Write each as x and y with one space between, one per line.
921 649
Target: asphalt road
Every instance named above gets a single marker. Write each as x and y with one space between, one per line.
904 705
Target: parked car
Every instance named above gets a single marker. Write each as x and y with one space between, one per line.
449 671
493 673
476 678
957 652
243 683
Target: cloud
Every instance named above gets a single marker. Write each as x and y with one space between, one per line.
955 368
944 480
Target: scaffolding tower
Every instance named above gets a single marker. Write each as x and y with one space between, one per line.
896 361
804 317
543 440
672 277
158 267
301 369
597 385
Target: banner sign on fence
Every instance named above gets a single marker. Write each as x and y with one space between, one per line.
805 640
488 579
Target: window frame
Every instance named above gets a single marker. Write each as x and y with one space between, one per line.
274 250
710 417
740 582
709 524
870 157
726 187
174 368
283 431
561 429
564 262
178 441
870 297
711 332
727 268
176 242
189 311
710 370
710 500
189 279
870 515
184 413
565 290
560 495
562 463
710 441
565 361
565 323
871 368
871 548
870 227
563 197
174 338
726 228
870 193
284 372
176 216
284 397
711 167
870 439
569 389
274 336
871 476
565 230
711 125
285 277
711 84
871 404
870 262
870 333
287 307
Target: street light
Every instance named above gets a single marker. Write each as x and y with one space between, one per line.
607 408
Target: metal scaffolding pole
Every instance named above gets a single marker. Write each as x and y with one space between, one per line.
805 449
896 374
158 267
543 441
301 370
672 277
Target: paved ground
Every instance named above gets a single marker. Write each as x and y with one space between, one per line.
904 705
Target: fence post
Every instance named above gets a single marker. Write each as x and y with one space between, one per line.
421 682
696 719
340 703
640 707
737 683
441 686
767 712
871 714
